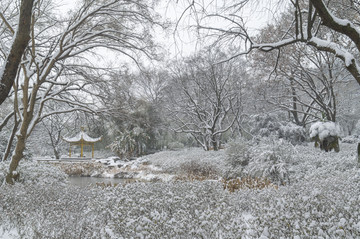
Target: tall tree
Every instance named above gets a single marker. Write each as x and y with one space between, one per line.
21 37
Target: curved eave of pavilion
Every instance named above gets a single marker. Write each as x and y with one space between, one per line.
82 137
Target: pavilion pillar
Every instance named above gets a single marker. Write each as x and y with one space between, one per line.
92 150
70 151
82 149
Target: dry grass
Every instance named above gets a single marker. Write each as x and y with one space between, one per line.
198 171
247 183
81 169
106 185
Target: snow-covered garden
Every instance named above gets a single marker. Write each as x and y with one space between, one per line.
228 131
313 194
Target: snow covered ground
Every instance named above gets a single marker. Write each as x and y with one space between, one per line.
321 200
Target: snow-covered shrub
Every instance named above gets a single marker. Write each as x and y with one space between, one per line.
266 158
270 125
138 210
3 143
321 208
238 152
270 159
32 172
324 129
293 133
326 135
265 125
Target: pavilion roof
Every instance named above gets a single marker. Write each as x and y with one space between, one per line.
81 136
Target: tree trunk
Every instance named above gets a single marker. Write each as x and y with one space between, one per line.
19 149
358 152
11 140
214 143
12 62
17 156
294 112
56 153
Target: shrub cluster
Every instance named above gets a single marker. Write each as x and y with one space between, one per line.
31 172
156 210
324 208
265 158
270 125
327 208
293 133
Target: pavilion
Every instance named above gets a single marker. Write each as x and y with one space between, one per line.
82 139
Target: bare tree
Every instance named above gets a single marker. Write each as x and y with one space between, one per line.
152 84
205 98
315 23
55 68
310 78
55 125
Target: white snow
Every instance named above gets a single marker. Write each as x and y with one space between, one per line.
338 50
324 129
343 22
81 136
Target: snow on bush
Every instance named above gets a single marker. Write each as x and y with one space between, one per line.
270 125
152 210
293 133
324 129
238 153
266 158
265 125
326 135
32 172
325 208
